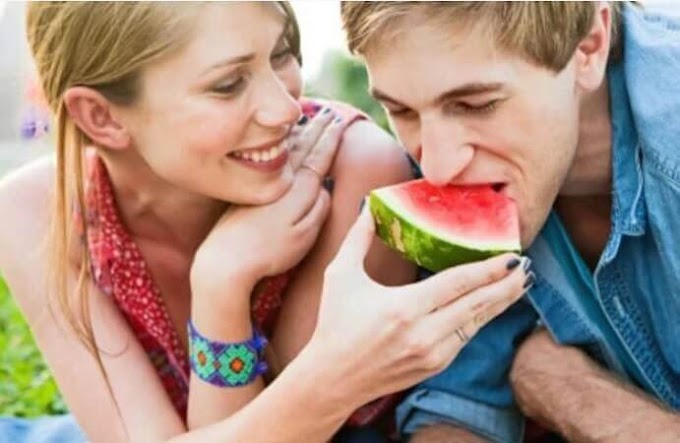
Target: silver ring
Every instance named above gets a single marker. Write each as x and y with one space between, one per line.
462 336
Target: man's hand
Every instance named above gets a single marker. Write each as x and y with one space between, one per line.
563 389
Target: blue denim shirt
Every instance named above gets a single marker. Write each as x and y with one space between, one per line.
627 313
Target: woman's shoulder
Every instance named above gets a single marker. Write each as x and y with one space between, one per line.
25 202
26 191
369 154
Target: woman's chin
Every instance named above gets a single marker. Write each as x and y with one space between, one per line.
266 194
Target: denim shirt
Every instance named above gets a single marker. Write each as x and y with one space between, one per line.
626 314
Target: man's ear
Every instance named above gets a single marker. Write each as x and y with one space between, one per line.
93 114
592 51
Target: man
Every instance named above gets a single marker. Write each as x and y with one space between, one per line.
571 109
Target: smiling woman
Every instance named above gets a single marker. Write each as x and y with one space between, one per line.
187 198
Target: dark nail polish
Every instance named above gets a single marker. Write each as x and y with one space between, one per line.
337 120
326 111
529 281
361 204
527 264
512 264
329 184
302 120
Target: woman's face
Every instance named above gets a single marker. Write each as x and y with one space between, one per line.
212 119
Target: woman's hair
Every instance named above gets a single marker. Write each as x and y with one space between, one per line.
104 46
545 33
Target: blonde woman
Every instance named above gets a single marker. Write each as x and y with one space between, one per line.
190 234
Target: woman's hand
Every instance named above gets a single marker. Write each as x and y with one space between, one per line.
384 339
252 242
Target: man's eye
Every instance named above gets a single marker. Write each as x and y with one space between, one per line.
401 113
483 108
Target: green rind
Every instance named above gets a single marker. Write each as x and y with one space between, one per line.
423 248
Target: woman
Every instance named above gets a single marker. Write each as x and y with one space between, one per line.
185 198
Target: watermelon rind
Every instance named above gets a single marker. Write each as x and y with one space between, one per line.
427 249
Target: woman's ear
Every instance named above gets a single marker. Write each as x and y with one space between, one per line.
92 113
592 51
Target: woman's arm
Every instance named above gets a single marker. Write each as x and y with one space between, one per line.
407 333
25 204
368 158
140 410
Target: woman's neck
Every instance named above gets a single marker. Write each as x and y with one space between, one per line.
154 210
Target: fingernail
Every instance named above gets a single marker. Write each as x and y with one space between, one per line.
527 264
361 204
529 280
329 184
302 120
512 264
337 120
325 111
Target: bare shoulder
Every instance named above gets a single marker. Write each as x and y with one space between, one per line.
370 157
25 204
25 192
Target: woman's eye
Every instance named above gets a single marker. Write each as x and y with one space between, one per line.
231 87
281 58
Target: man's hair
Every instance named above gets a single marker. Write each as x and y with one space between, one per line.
544 33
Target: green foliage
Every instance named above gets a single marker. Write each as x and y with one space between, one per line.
26 386
345 79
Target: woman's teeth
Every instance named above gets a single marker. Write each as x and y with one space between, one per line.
259 156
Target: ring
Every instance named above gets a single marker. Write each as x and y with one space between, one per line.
317 173
462 336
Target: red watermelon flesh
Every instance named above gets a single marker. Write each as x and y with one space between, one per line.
439 227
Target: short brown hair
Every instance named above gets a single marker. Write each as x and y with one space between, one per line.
545 33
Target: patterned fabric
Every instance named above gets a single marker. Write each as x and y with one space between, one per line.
226 364
119 271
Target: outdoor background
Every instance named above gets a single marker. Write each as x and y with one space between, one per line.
26 388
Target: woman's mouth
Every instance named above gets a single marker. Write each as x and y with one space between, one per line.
266 159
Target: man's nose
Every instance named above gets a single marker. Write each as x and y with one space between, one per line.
444 151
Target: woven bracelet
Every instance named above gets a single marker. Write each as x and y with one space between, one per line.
226 364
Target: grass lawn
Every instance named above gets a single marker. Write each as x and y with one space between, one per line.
26 386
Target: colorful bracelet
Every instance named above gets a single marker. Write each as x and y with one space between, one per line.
226 364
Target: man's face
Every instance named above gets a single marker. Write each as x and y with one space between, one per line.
472 114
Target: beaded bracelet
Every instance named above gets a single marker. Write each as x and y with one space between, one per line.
226 364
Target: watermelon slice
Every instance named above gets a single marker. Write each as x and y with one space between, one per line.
440 227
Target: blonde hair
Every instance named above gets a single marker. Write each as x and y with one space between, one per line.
104 46
545 33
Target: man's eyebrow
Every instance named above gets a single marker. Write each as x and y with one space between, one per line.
461 91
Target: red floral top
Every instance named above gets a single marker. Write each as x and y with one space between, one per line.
119 271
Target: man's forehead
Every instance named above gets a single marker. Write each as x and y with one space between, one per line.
427 65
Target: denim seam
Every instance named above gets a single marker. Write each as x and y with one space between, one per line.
635 336
660 166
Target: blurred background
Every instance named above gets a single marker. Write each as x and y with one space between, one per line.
26 388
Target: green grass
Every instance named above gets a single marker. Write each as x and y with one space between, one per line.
26 386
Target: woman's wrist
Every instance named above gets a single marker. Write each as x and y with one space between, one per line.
224 313
324 368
